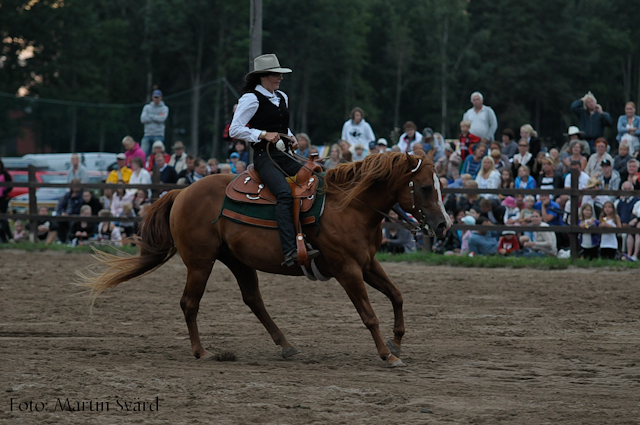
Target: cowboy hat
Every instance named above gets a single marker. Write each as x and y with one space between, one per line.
593 182
268 63
574 130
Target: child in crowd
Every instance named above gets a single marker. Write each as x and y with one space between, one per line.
359 153
467 140
107 231
82 231
609 241
508 243
119 198
466 234
139 199
19 234
589 242
127 212
526 213
524 179
241 150
506 179
520 201
233 159
43 224
511 212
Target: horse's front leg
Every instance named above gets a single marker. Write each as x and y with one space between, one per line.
353 284
376 277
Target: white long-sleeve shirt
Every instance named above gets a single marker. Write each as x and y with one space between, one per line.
361 133
247 107
484 122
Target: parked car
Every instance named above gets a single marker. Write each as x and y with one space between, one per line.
20 176
94 161
45 197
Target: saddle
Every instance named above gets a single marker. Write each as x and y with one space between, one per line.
248 188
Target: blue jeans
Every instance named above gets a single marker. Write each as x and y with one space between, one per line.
148 141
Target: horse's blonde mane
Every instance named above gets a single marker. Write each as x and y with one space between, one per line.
347 181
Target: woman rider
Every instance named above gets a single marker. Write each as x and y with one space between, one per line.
261 114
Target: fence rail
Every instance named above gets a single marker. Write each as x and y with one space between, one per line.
157 187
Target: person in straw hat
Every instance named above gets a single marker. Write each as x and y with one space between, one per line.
261 115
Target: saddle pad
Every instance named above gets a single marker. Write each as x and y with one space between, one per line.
264 215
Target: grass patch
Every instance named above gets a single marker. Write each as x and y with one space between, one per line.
84 249
498 261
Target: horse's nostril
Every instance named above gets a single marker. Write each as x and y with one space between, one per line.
442 225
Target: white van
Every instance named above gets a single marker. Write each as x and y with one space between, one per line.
94 161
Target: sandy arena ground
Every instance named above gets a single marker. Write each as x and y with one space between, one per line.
482 347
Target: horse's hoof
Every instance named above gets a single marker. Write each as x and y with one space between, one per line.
291 351
396 351
206 356
393 361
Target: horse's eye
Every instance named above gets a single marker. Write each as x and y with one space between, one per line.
427 189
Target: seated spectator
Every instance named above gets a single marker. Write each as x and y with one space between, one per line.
575 149
438 145
157 148
138 175
122 172
241 167
492 210
69 204
199 172
523 157
543 243
508 243
526 213
334 158
621 160
129 227
225 169
182 176
506 179
511 212
598 200
44 226
554 155
448 165
609 241
583 179
359 152
304 142
628 218
344 150
132 150
167 173
589 242
472 163
107 231
233 158
19 234
509 145
212 166
449 200
550 210
483 242
574 135
466 234
488 177
89 199
548 179
397 241
520 203
593 167
77 170
500 160
120 197
179 159
469 201
241 150
536 168
314 150
409 138
524 179
609 177
467 140
632 173
105 199
82 231
450 243
531 136
373 148
140 198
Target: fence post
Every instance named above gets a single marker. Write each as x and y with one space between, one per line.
155 179
33 204
575 199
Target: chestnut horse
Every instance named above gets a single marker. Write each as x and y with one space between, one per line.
350 234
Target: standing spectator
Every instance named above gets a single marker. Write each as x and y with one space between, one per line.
5 232
82 231
122 172
483 120
167 172
508 243
609 241
92 201
69 204
467 140
589 242
524 179
138 175
360 153
356 130
409 137
593 165
158 147
543 243
531 136
179 159
592 118
628 125
488 177
471 165
77 170
523 157
153 116
334 158
132 150
509 145
621 160
303 145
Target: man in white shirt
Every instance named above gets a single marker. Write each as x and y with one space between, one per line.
483 119
583 180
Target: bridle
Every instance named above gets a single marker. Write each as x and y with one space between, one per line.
421 217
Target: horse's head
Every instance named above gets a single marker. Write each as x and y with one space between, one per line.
422 196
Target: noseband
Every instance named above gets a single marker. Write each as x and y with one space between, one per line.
422 218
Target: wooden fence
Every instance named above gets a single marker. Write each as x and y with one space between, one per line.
157 187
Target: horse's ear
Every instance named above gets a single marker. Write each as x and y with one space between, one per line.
430 154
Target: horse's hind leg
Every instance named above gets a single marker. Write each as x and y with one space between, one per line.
197 277
248 282
376 277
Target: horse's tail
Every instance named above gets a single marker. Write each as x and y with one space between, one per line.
156 248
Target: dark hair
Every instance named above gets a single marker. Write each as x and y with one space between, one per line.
508 132
190 157
138 161
198 161
253 80
1 166
484 202
481 220
354 110
408 125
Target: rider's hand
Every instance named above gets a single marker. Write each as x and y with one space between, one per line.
294 145
272 137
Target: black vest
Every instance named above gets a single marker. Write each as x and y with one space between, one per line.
269 117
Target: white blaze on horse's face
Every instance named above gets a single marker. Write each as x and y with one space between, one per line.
436 184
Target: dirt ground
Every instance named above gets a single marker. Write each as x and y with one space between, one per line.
482 347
